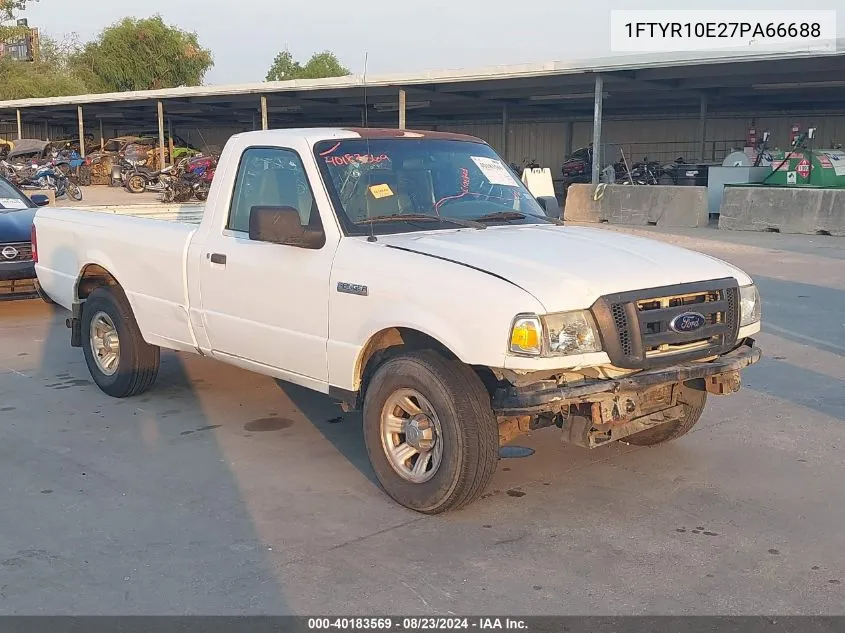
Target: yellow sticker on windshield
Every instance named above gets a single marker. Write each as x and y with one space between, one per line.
381 191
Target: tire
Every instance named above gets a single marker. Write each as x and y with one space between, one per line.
137 363
135 183
43 295
74 191
693 401
202 196
468 431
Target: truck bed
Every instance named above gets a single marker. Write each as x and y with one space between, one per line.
143 246
188 213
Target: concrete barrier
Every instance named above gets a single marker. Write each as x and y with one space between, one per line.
784 209
655 205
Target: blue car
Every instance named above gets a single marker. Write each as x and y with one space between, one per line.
17 268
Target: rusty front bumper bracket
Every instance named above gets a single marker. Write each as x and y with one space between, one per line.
721 377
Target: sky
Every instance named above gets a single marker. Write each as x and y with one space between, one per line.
397 36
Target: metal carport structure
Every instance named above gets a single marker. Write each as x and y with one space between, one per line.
652 85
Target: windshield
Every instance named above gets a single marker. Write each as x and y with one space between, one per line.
11 199
373 181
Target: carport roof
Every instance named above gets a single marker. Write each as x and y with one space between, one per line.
753 83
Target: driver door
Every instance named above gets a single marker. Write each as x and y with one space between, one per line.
266 304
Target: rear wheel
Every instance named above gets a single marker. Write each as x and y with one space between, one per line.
121 362
693 401
430 432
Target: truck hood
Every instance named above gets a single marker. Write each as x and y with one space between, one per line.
16 226
567 268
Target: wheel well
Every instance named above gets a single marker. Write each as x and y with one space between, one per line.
392 341
389 342
94 276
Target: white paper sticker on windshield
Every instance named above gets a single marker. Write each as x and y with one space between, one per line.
12 203
494 171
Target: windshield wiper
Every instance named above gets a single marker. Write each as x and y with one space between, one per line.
501 215
515 215
421 217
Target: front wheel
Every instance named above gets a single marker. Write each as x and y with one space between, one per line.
121 362
693 402
74 191
430 432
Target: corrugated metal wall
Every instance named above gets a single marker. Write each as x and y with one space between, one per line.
9 131
662 140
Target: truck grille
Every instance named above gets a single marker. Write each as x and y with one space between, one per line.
15 252
636 331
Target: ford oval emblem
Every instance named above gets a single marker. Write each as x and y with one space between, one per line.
687 322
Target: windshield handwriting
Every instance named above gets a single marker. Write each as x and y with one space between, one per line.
364 159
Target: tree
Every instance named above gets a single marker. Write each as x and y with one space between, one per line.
8 10
142 54
50 76
323 64
22 80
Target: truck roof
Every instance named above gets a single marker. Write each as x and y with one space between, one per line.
316 134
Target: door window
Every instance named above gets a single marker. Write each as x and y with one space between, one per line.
272 177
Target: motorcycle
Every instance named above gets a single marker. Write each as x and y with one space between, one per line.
193 178
48 177
140 179
526 164
72 165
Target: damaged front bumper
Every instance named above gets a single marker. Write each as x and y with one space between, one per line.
720 376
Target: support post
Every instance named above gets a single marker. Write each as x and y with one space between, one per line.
402 106
20 127
161 134
81 131
265 123
702 128
170 139
597 106
46 129
567 140
102 140
506 131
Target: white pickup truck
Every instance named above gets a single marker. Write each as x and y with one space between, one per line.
413 276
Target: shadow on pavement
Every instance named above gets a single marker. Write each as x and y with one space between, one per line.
121 507
343 430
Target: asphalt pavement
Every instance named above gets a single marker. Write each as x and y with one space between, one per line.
225 492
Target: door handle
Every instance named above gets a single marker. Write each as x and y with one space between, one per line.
217 258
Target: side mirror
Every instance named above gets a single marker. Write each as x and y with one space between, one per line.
40 200
282 225
550 205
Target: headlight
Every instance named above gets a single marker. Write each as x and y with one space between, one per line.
750 307
527 335
570 333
